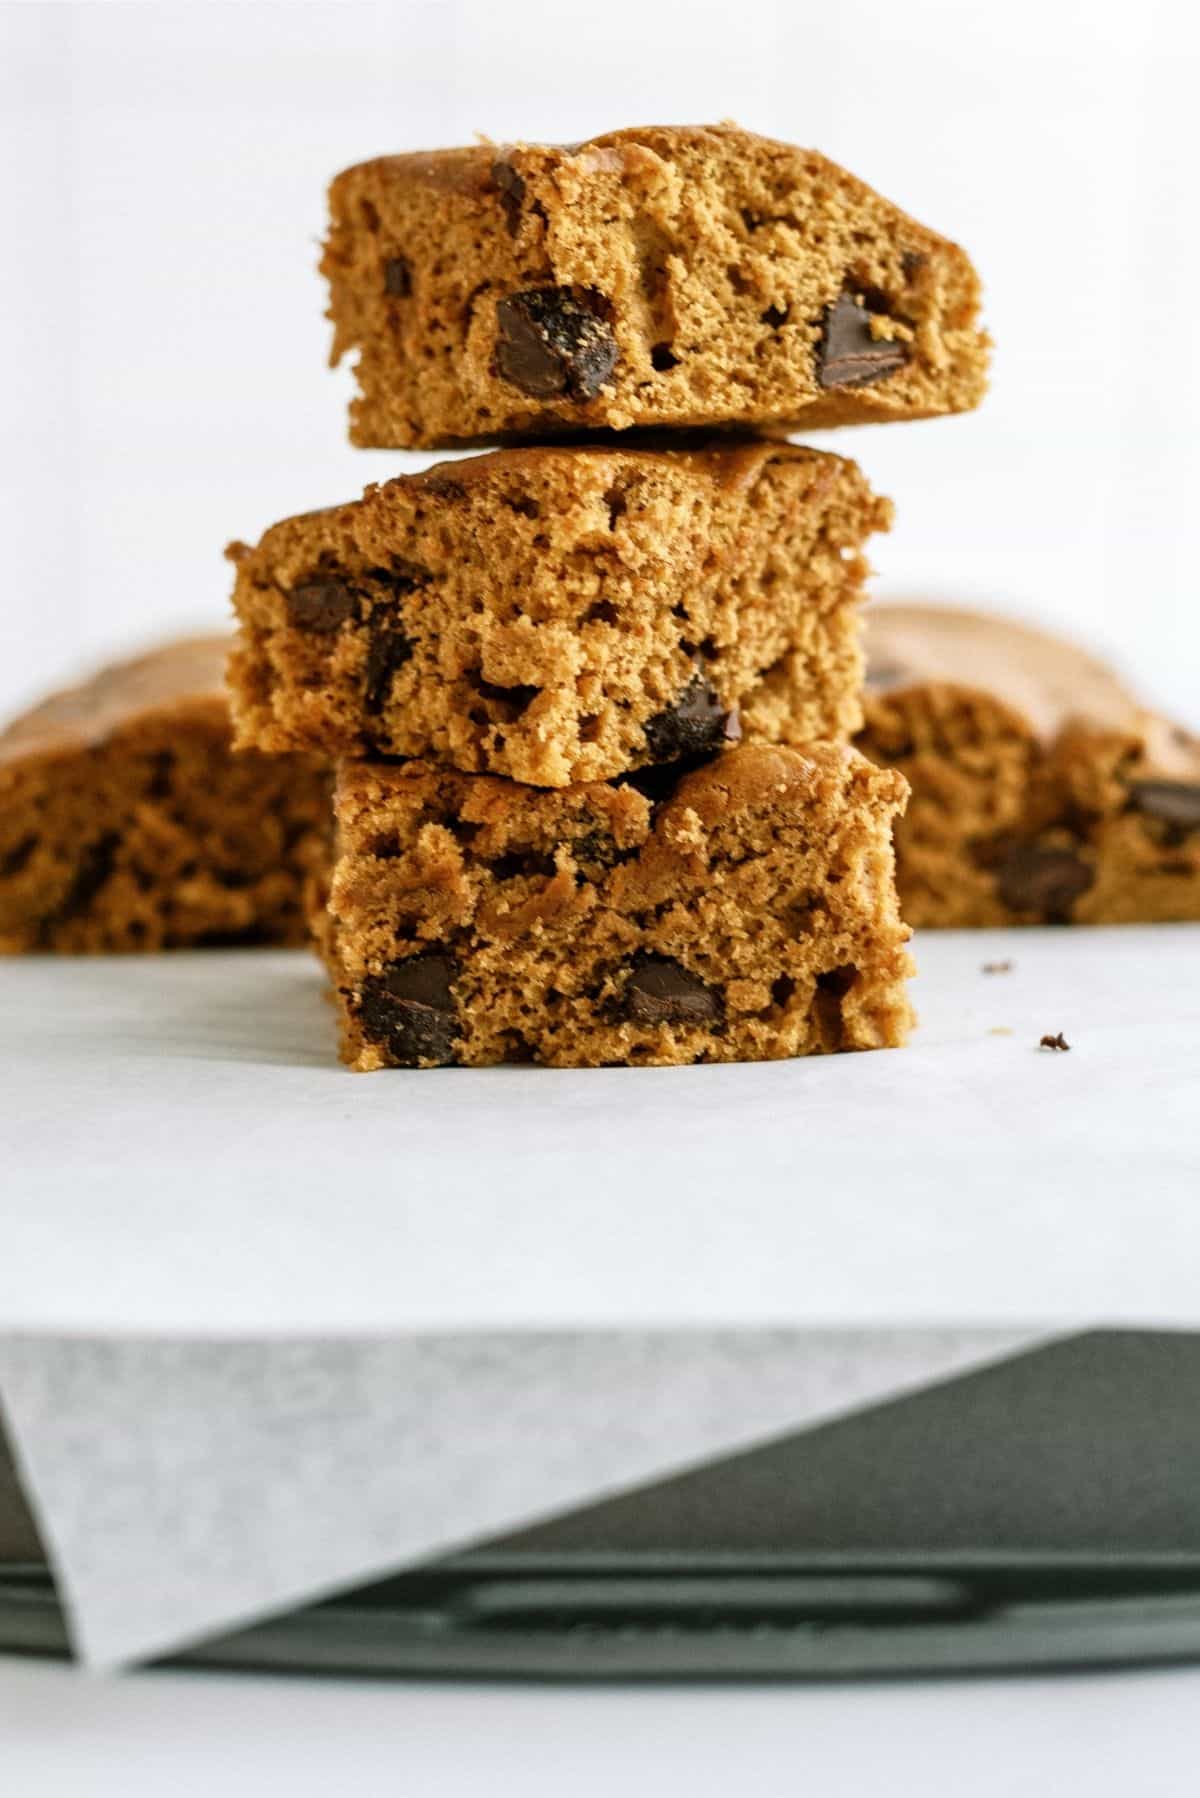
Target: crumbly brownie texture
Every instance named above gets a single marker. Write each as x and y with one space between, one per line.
559 615
1042 792
127 823
749 915
664 276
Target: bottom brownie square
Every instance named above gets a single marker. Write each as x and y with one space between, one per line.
748 914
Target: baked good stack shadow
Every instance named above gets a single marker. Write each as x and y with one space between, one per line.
589 695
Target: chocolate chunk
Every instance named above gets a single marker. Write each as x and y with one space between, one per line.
162 774
387 651
512 192
444 487
397 277
1174 802
696 725
1049 881
409 1010
553 343
93 869
17 857
401 575
661 991
1057 1041
597 847
848 355
322 605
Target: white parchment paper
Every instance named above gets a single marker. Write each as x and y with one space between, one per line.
181 1152
183 1487
271 1327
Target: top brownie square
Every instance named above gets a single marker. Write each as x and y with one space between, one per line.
663 276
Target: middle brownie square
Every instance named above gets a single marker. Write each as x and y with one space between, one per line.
562 614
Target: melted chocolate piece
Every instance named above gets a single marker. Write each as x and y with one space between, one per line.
598 847
848 355
17 857
661 991
696 725
1174 802
552 343
387 651
322 605
445 487
94 867
1049 881
511 187
401 575
397 277
409 1011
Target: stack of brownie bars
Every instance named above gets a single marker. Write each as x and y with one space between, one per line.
588 696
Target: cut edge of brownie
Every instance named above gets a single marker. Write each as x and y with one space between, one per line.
556 616
748 915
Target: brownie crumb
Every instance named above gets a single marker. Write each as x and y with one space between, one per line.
1057 1041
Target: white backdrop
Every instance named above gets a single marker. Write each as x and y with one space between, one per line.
162 169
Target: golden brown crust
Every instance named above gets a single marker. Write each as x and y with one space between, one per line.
1044 680
188 673
558 615
697 270
127 823
1042 792
749 915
